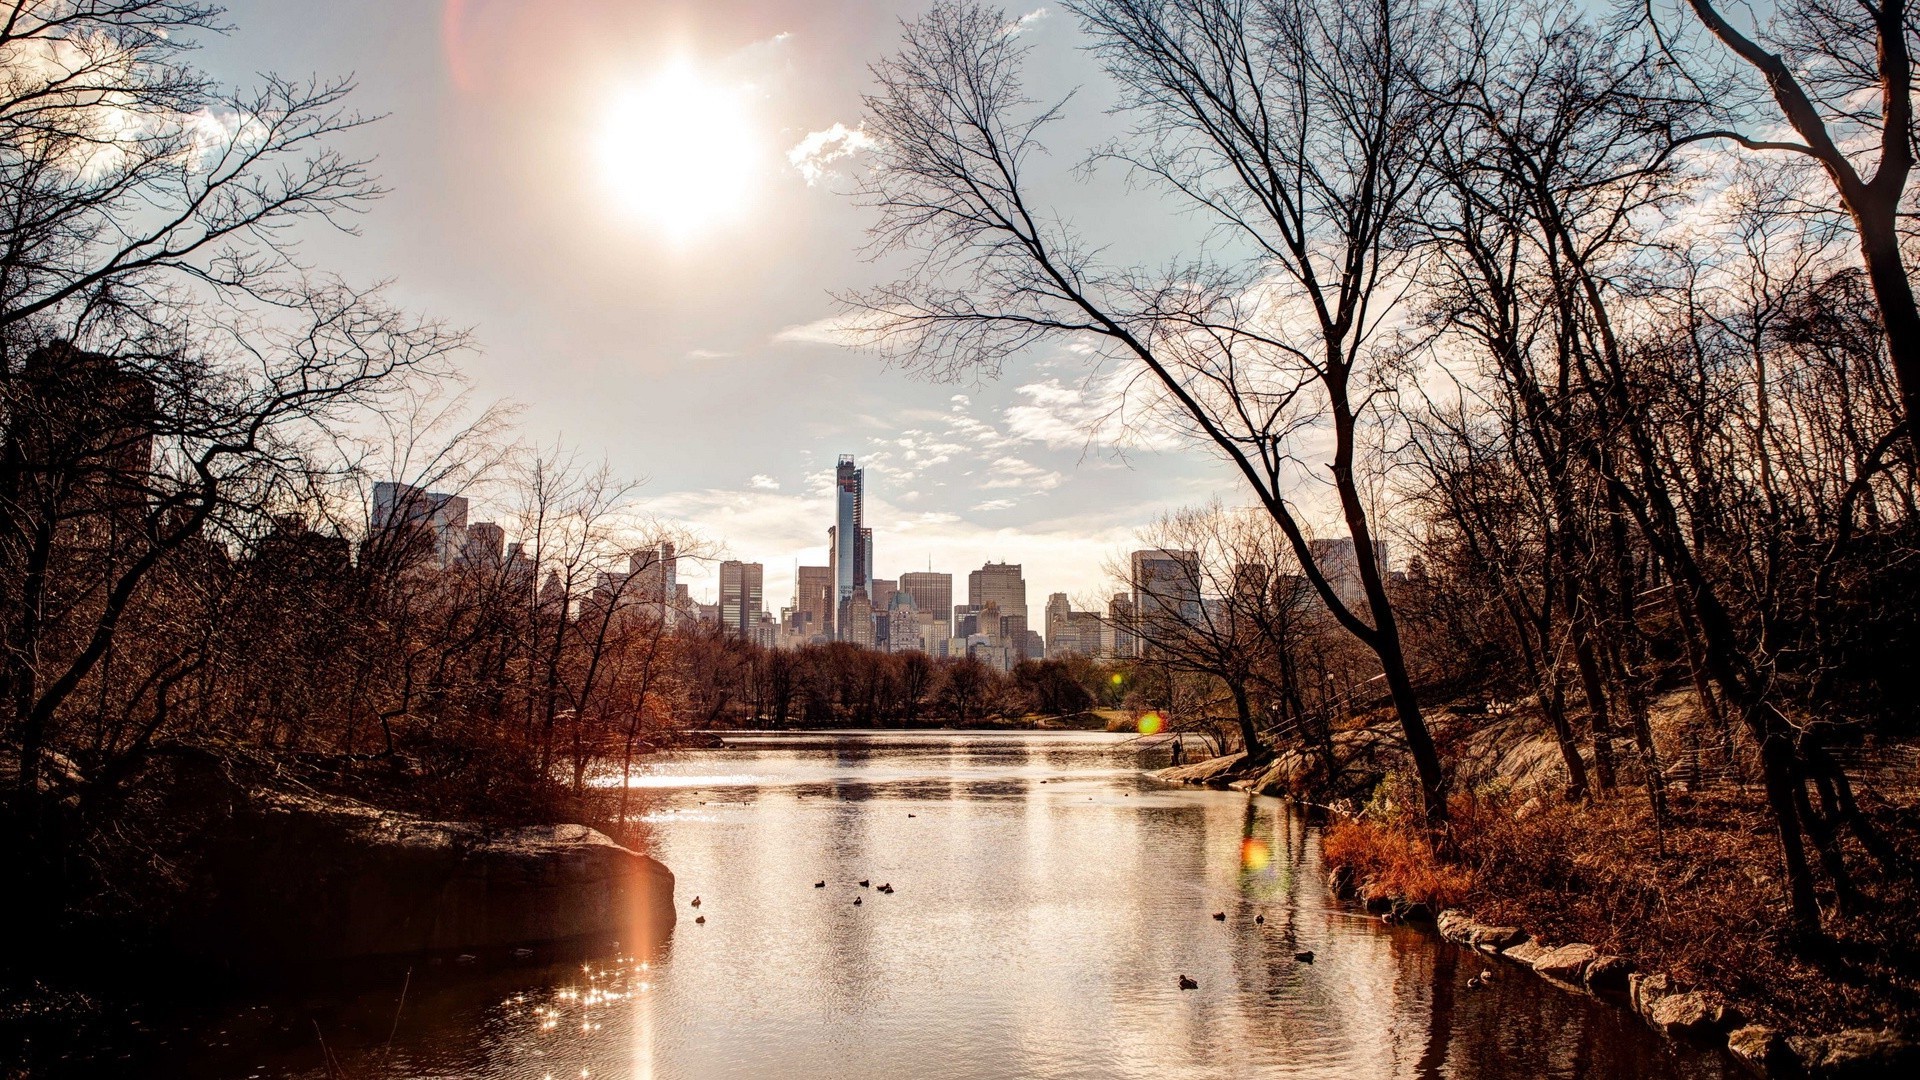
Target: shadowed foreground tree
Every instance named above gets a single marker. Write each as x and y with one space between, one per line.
1840 73
164 359
1296 128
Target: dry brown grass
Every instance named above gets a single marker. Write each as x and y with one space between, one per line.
1397 862
1702 902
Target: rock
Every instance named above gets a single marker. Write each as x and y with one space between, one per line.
1695 1013
300 879
1608 973
1644 990
1858 1052
1188 984
1460 928
1763 1050
1525 952
1495 938
1567 964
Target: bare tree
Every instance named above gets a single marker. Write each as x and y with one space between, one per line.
1295 127
1840 73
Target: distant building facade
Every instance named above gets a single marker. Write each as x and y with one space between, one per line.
740 598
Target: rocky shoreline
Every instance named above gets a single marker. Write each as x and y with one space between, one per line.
1695 1014
1700 1016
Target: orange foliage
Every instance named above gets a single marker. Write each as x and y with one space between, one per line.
1396 861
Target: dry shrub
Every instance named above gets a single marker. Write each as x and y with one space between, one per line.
1699 899
1393 859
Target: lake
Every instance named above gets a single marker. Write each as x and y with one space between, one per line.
1048 896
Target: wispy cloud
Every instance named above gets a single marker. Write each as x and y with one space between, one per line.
848 330
763 482
1109 412
815 155
1025 22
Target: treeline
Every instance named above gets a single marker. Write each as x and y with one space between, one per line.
1605 326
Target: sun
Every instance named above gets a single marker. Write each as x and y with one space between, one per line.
679 152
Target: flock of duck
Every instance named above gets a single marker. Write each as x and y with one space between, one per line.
1304 956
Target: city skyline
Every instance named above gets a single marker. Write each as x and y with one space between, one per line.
588 316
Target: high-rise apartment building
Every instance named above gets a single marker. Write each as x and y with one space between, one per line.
813 603
849 544
1342 570
1057 611
740 597
1165 581
1071 632
485 546
430 526
655 574
999 583
932 596
1119 641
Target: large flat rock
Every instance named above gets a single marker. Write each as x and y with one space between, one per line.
314 879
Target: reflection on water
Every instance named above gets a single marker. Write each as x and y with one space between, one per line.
1047 898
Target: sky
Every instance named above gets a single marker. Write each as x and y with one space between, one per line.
618 199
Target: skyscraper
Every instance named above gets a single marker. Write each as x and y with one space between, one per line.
740 599
849 544
432 525
932 596
1342 569
1002 584
1166 581
813 602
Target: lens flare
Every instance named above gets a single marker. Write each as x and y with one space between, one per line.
1150 724
1255 854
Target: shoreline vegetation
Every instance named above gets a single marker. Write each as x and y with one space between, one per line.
1597 899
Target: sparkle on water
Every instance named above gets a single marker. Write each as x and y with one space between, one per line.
1047 897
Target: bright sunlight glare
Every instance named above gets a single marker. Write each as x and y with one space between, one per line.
679 152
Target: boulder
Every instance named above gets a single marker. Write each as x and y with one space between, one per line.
1454 925
1643 991
1608 973
1694 1014
1494 938
310 879
1762 1050
1858 1052
1523 952
1567 964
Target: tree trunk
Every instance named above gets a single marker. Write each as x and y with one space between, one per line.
1899 313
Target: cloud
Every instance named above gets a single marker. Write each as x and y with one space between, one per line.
709 354
1013 472
815 155
849 330
1025 22
1112 411
994 504
763 482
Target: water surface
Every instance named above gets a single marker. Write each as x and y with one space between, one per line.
1048 896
